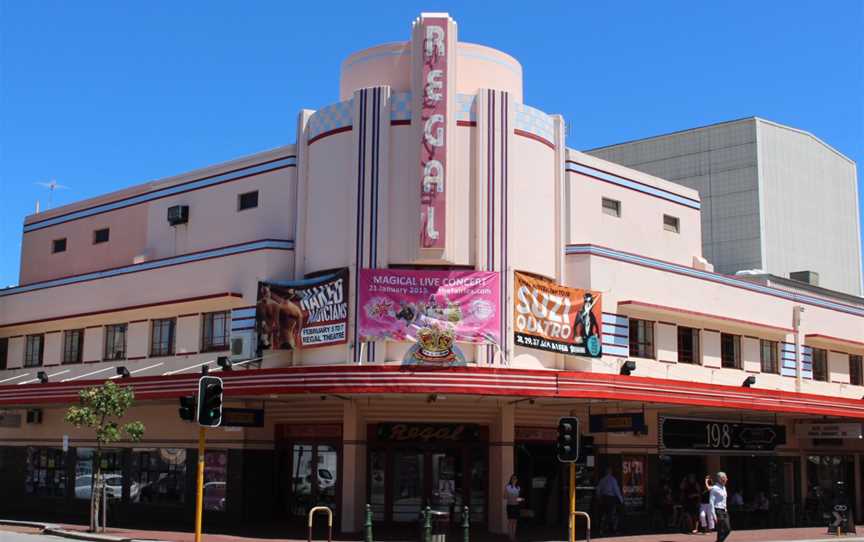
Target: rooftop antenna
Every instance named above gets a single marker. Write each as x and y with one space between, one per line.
51 185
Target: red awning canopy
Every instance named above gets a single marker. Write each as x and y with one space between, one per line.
395 379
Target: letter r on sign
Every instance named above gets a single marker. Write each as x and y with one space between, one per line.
434 41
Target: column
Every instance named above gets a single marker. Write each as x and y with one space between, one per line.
353 470
500 466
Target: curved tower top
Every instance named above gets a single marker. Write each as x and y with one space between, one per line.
476 67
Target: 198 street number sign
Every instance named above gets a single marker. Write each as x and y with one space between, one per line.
689 434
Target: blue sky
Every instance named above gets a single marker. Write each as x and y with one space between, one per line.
100 95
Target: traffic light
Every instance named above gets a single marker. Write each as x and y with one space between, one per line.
567 445
210 401
187 408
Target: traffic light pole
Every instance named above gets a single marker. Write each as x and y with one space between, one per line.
572 502
199 485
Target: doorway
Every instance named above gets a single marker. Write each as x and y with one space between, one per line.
446 475
312 479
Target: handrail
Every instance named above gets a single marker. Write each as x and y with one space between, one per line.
329 521
587 520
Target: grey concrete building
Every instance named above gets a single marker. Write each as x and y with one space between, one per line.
774 198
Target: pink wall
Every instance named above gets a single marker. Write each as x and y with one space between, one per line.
128 231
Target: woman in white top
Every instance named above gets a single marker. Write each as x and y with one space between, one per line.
511 495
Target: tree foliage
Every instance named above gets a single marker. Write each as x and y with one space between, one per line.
100 410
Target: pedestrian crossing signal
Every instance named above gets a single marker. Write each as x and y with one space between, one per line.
567 445
210 401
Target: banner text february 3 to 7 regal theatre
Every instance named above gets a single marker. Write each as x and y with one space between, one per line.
303 313
549 316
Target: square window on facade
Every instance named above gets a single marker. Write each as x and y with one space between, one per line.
688 345
730 351
101 236
768 355
216 330
641 338
162 337
611 207
820 364
73 345
855 375
58 245
34 345
671 223
115 342
249 200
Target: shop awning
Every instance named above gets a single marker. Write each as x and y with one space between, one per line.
698 319
471 380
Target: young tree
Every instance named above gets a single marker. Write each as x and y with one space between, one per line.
100 409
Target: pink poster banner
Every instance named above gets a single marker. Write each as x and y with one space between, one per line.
432 308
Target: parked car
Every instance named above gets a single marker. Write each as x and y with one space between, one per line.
113 486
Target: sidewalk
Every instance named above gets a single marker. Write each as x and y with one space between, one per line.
805 534
808 534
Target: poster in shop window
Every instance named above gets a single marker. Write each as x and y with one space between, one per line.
431 308
633 482
303 313
549 316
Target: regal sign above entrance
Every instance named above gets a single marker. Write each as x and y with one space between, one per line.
427 432
718 436
433 119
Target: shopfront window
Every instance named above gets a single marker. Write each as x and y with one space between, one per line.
160 475
641 338
112 473
45 472
216 481
829 483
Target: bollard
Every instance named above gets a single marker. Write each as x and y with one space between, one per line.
427 525
466 525
368 524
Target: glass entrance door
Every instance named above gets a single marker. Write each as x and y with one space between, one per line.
408 487
447 481
314 478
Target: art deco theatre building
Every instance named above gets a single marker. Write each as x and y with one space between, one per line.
412 294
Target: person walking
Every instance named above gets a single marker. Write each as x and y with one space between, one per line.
610 498
511 495
706 512
719 504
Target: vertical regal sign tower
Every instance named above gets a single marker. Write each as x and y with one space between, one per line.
433 61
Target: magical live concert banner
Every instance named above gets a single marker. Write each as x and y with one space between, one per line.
556 318
303 313
434 309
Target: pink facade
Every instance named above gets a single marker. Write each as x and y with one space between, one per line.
350 193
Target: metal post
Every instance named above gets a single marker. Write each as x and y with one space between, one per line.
427 525
572 502
466 524
199 486
368 525
104 505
